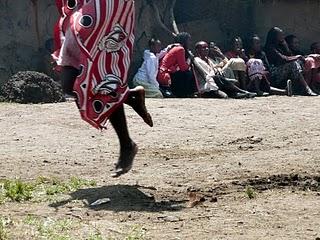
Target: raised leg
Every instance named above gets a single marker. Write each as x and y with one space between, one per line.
136 100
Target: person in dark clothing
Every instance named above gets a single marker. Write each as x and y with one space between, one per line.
284 65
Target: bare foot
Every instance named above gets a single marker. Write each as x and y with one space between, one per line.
125 161
137 101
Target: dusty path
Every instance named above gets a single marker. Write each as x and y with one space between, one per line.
214 148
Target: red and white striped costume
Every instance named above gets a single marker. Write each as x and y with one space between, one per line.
96 37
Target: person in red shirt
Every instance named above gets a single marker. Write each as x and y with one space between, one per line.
174 69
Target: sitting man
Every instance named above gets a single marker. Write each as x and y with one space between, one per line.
212 82
147 73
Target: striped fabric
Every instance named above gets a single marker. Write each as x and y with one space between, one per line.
96 37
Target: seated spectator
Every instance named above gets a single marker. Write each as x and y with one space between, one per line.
258 67
237 54
284 65
212 82
315 49
310 64
147 73
226 66
175 71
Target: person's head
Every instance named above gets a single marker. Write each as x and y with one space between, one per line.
254 44
184 39
202 49
155 45
293 42
315 48
275 37
236 44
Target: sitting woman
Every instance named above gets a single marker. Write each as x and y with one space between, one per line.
174 71
212 83
258 67
238 60
284 65
310 64
147 73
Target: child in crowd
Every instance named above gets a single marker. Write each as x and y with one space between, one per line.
258 67
147 73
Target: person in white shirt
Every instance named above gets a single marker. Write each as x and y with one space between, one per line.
147 73
211 80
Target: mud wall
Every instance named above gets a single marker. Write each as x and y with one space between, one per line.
26 26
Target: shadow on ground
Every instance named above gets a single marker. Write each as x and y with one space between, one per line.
123 198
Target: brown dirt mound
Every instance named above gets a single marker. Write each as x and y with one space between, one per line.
31 87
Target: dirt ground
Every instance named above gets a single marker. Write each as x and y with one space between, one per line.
210 149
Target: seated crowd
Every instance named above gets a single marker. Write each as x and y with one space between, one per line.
278 68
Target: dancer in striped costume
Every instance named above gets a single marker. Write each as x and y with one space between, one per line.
94 41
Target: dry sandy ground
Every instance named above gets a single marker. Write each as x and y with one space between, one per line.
213 148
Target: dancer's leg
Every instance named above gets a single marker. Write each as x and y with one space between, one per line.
128 149
136 100
68 76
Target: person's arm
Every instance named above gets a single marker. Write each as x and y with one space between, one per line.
279 57
152 70
283 58
219 55
181 59
265 61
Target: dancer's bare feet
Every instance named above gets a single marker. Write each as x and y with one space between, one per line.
125 161
136 100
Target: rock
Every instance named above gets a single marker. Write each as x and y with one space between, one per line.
100 202
31 87
214 199
170 218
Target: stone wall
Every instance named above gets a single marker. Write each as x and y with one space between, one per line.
25 27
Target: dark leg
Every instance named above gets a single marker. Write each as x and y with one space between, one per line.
308 77
235 90
314 77
136 100
306 89
183 84
68 77
128 149
242 78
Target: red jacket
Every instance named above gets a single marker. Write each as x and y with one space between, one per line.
173 61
